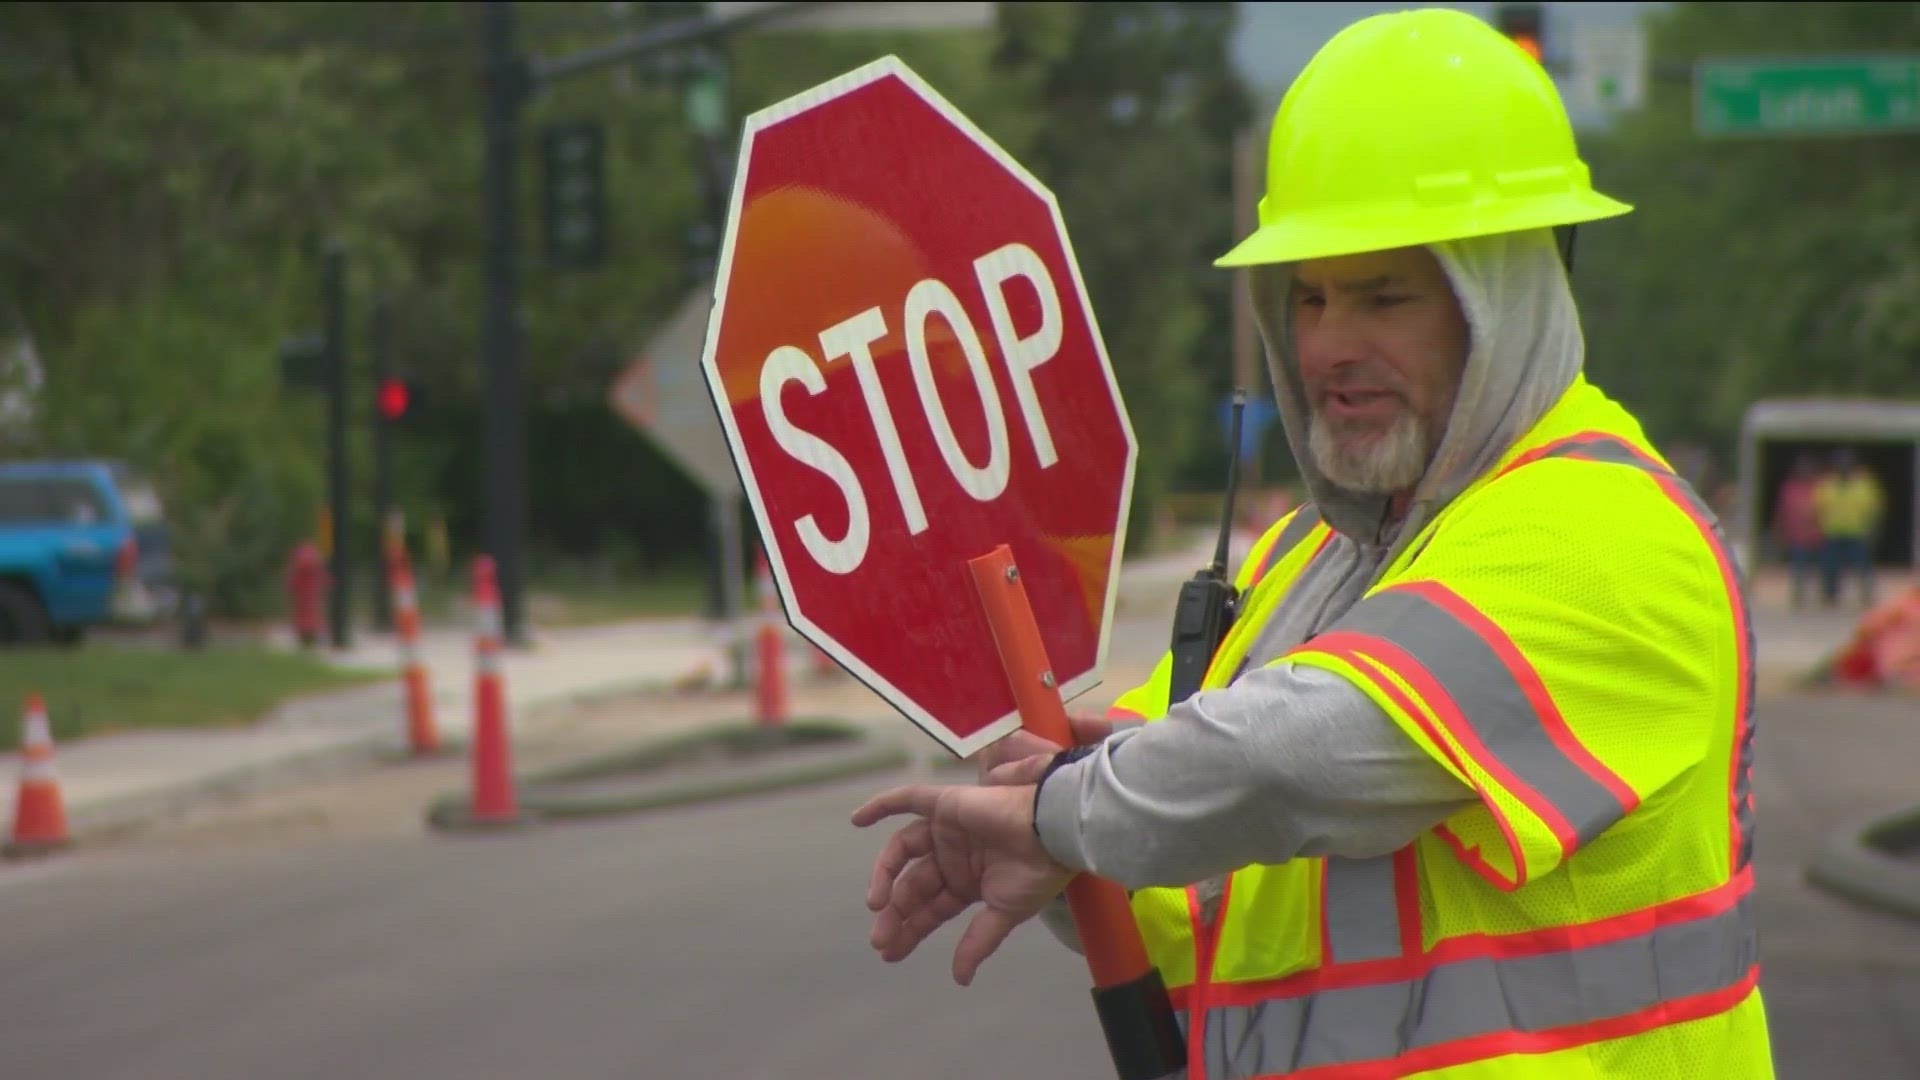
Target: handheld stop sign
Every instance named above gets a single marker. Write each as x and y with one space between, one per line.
909 374
929 432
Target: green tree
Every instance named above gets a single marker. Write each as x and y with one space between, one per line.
1140 104
174 168
1752 267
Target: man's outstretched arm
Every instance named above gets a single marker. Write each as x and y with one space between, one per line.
1289 761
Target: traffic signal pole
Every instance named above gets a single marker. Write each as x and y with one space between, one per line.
505 453
510 78
333 295
380 342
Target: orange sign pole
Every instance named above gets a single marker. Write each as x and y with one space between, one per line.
1135 1011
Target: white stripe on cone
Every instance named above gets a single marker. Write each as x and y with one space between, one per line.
36 748
487 620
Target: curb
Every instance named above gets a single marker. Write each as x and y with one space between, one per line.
1859 865
545 795
125 815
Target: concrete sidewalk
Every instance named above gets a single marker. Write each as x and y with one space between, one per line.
124 780
121 781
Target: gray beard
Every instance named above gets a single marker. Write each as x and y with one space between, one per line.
1385 465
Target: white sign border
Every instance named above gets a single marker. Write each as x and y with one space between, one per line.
877 70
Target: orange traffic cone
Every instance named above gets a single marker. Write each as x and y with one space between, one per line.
493 798
39 817
423 737
772 684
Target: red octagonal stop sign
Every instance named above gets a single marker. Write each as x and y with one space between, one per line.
909 375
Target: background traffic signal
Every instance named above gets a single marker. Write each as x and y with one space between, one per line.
397 398
303 362
1524 24
573 176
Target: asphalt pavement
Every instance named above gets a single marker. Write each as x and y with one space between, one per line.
319 930
330 936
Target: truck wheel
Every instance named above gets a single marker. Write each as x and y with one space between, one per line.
70 636
23 621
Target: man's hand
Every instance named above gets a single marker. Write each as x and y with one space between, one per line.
1024 744
967 845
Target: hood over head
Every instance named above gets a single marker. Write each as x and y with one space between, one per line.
1524 351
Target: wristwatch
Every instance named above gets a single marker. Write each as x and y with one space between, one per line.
1064 757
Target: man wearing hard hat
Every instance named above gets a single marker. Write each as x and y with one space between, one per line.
1465 792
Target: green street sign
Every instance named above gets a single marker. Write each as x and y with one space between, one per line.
1849 95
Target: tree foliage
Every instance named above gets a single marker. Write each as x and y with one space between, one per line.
1141 106
173 170
1752 267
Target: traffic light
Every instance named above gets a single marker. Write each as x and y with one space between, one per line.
397 397
574 188
1523 23
303 362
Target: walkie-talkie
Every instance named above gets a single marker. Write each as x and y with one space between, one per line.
1208 599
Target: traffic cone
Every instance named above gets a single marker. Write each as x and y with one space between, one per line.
493 798
40 816
771 687
423 737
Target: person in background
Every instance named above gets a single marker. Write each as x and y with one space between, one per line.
1796 524
1849 503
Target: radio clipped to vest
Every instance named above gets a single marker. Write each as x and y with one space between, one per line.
1208 599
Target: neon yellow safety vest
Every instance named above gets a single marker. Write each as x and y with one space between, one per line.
1569 638
1848 506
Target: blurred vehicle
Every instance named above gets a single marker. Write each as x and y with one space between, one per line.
82 543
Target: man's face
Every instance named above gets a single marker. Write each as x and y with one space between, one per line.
1381 341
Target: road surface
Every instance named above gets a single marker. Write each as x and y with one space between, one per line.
322 933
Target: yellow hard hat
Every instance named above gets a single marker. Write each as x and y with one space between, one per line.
1412 128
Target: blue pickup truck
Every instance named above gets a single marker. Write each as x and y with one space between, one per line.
81 543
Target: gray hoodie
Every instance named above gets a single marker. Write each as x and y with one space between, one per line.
1294 761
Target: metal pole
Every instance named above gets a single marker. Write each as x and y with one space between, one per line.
1246 340
379 345
1752 541
1913 519
333 301
506 84
732 563
683 32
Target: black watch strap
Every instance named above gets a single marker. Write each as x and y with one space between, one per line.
1064 757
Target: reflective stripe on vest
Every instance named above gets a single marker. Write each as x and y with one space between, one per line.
1597 446
1491 701
1148 701
1378 1004
1360 921
1492 1003
1304 521
1250 619
1370 908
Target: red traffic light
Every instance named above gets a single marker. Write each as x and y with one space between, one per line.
394 397
1524 25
